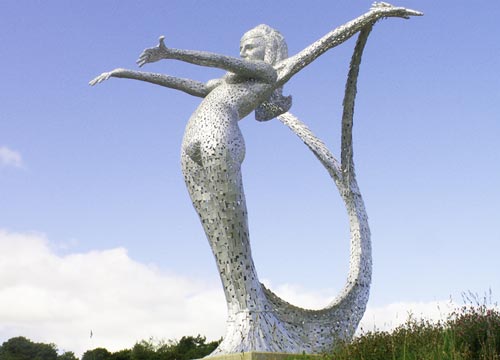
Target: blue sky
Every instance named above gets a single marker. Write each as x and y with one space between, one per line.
92 174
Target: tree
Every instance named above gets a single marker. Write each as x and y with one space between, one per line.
97 354
188 347
67 355
143 350
122 355
21 348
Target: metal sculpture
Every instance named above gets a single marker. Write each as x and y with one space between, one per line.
213 150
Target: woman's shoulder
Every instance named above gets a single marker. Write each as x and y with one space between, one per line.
228 79
212 84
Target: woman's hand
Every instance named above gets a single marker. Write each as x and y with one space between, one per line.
102 77
388 10
153 54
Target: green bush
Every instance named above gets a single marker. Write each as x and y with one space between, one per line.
471 333
477 331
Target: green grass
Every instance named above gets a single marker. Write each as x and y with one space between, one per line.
471 332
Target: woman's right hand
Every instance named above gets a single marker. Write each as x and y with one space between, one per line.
102 77
388 10
153 54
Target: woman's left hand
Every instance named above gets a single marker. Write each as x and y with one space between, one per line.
153 54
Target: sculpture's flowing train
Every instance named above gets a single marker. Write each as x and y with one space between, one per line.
314 331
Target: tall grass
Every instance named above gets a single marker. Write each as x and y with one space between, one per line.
471 332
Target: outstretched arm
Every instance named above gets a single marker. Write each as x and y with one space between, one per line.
252 69
191 87
292 65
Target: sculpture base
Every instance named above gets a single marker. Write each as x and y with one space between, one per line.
254 355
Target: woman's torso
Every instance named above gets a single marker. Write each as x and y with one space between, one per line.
213 127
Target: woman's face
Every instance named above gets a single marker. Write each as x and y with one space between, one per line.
253 48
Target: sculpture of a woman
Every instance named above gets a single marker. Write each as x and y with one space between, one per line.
213 150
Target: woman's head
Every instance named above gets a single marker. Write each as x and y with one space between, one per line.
263 43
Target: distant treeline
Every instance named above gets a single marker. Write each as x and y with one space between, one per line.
188 347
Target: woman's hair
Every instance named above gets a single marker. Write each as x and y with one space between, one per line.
276 48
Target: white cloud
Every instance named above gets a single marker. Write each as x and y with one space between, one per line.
388 317
9 157
298 296
60 299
